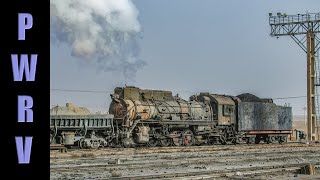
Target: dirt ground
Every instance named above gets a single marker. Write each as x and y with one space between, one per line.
263 161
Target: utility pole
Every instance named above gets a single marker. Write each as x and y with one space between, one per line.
304 116
305 25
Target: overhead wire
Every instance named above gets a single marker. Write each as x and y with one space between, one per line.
100 91
75 90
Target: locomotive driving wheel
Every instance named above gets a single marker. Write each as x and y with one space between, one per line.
153 138
176 140
164 142
188 138
153 142
210 140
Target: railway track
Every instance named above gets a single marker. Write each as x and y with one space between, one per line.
188 148
246 171
96 163
178 162
291 168
166 153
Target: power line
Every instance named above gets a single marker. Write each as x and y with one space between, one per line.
291 97
99 91
75 90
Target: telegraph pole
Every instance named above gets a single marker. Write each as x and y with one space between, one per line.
307 26
304 116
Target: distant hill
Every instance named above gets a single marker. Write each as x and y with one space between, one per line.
299 118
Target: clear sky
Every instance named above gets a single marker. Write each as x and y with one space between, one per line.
191 46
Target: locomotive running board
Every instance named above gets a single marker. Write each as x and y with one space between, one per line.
269 132
192 122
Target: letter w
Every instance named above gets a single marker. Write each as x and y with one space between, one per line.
24 66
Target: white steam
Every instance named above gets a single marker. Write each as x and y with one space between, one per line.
105 31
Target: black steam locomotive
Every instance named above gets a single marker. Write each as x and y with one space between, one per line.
157 118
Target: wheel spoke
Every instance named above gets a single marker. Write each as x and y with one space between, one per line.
153 142
188 138
165 142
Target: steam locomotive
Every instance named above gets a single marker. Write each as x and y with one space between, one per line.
140 117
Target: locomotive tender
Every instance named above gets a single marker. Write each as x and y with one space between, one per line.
157 118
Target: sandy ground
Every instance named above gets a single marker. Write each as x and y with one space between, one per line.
299 122
263 161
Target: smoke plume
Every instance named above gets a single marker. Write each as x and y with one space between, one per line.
103 31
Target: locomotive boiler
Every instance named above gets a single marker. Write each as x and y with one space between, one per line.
164 116
132 103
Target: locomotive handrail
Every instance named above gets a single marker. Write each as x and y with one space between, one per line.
127 113
156 105
168 105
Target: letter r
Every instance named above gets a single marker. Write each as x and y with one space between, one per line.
25 103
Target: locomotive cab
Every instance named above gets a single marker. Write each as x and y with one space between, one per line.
223 108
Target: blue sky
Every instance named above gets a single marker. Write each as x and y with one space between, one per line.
191 46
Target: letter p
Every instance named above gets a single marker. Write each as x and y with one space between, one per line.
25 21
